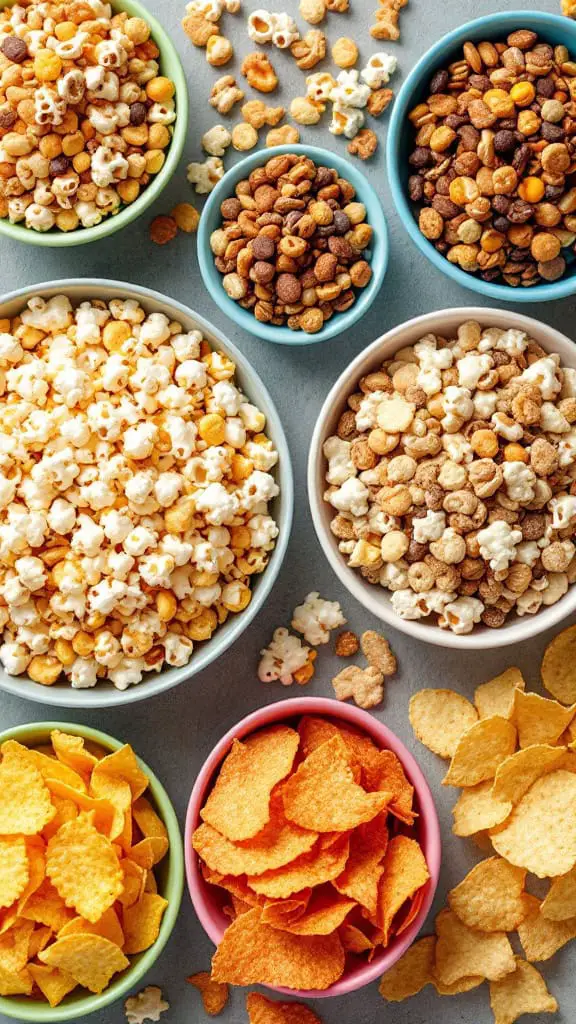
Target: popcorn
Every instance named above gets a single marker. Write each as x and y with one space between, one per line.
349 91
461 615
543 373
346 120
498 544
216 140
282 658
316 618
340 465
379 70
320 86
351 497
284 31
260 26
205 176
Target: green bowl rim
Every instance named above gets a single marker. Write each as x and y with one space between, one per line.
24 1009
111 224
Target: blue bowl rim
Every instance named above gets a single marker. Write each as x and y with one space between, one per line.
340 322
153 685
433 58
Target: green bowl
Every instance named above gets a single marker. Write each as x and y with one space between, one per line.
169 875
171 67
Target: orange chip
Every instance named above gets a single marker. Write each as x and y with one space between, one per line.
264 1011
14 869
83 866
252 953
214 993
142 922
276 912
354 940
540 937
385 773
405 872
236 886
66 810
15 983
411 973
103 810
540 720
14 945
108 926
149 851
47 907
361 876
39 940
122 764
323 796
25 805
480 750
118 793
48 766
462 952
90 959
314 732
147 820
133 882
478 809
523 991
324 863
405 918
325 912
71 750
239 805
54 984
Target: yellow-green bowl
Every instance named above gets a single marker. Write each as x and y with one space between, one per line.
171 67
169 875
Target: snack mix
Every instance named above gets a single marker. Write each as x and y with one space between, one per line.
492 171
85 115
80 842
311 835
452 476
293 245
134 491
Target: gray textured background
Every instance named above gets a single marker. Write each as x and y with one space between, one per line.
175 732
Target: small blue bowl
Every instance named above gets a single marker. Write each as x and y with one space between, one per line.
494 27
211 220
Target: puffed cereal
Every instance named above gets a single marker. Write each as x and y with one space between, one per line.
219 51
287 135
257 113
244 136
216 140
313 11
259 72
305 111
345 52
225 94
310 50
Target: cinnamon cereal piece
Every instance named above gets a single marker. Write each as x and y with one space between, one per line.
198 28
310 50
287 135
244 137
257 113
345 52
163 229
313 11
347 644
364 145
225 94
376 650
364 686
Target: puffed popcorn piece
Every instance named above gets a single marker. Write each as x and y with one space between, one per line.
216 140
412 606
212 10
461 616
284 31
282 659
349 90
316 618
320 86
346 121
260 26
379 69
498 543
340 465
205 176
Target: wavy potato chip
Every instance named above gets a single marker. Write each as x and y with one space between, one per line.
149 851
540 834
90 959
496 697
457 987
326 911
385 773
559 666
440 718
477 809
491 898
103 811
239 811
142 922
116 792
48 766
214 993
252 953
539 720
66 810
361 876
15 983
540 937
72 751
560 903
147 820
25 805
463 953
405 872
354 940
523 991
411 973
322 795
122 764
14 945
519 772
38 940
264 1011
46 906
83 866
323 864
133 882
479 752
108 926
14 869
53 983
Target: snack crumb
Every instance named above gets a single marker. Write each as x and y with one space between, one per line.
163 229
146 1005
347 644
365 686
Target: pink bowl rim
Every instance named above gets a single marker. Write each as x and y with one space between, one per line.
429 832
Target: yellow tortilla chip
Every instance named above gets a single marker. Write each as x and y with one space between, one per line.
239 805
149 823
560 903
559 666
118 793
540 937
39 940
25 805
66 810
15 983
323 864
496 697
440 718
14 869
491 898
83 867
54 984
252 953
133 882
214 995
142 922
122 764
72 751
540 834
103 811
47 907
361 876
90 959
480 751
477 809
523 991
48 766
322 795
264 1011
14 945
540 720
462 952
108 926
411 973
519 772
149 851
405 872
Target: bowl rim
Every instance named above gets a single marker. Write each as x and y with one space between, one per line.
340 322
431 839
127 214
431 60
99 696
24 1009
370 597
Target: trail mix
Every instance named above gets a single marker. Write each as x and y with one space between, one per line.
293 244
134 490
85 115
493 168
452 477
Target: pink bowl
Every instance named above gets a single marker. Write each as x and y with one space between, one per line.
207 900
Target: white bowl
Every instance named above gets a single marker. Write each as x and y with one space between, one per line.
376 599
105 694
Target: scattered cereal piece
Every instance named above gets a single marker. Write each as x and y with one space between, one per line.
387 17
379 101
440 718
364 686
214 993
313 11
219 51
316 618
310 50
376 650
364 144
244 136
259 72
163 229
305 111
187 217
205 176
258 114
523 991
345 52
198 29
147 1005
337 6
225 94
282 659
347 644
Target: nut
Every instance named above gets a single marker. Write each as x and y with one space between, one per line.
364 144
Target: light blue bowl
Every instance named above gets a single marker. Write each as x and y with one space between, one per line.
211 220
494 27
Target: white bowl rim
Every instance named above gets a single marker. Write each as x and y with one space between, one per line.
372 598
102 696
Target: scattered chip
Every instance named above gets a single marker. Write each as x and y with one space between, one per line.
496 697
540 834
523 991
142 922
90 959
519 772
252 953
53 983
323 864
457 987
83 866
477 809
147 1005
440 718
239 811
540 720
361 876
491 898
280 842
560 903
14 869
540 937
405 872
462 952
480 751
384 773
411 973
214 993
25 805
559 666
264 1011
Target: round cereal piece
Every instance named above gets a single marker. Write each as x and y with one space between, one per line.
287 135
345 52
163 229
219 51
394 546
545 246
305 111
244 137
